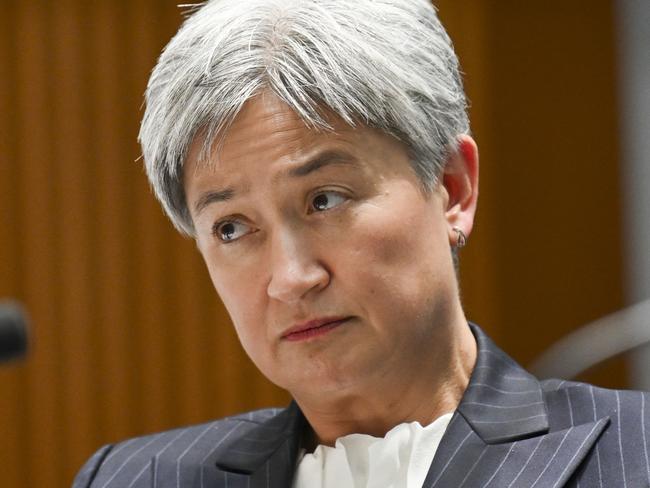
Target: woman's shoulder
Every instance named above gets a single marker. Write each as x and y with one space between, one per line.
130 462
572 402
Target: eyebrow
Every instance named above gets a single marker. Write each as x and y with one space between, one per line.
326 158
211 197
321 160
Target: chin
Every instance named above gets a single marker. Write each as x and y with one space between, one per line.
329 378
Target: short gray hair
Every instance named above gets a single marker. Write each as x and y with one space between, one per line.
388 64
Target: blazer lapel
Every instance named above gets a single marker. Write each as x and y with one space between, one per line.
264 457
499 435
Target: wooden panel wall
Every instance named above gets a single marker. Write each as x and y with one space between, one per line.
129 336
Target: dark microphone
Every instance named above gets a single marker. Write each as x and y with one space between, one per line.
13 331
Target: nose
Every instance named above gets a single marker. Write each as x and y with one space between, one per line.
295 270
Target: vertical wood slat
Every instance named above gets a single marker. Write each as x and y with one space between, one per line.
112 320
75 182
12 443
153 265
190 332
150 316
39 228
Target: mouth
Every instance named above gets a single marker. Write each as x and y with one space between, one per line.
313 328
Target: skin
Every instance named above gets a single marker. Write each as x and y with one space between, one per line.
356 238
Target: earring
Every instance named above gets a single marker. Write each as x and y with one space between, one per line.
461 238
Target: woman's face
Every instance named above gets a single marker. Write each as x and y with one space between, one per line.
333 264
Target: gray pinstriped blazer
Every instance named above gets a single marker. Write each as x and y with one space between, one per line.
510 430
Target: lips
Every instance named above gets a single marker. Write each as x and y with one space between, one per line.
313 328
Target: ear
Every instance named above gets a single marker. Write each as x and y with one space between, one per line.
460 182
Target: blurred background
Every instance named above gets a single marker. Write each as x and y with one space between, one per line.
128 334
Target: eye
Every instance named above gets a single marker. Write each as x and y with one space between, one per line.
230 230
326 200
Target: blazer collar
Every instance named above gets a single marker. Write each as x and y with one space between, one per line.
503 402
248 453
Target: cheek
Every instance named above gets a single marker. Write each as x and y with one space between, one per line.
401 256
402 236
248 318
239 295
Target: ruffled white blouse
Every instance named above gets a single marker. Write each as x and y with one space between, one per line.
400 459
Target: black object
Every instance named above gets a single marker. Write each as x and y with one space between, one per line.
13 331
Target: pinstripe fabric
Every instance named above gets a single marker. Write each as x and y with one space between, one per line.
510 430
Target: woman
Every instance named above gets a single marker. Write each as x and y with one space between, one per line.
319 154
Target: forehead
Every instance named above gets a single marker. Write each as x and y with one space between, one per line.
265 122
266 127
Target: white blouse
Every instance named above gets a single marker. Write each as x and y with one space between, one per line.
401 459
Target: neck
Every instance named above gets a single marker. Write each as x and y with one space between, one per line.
409 396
